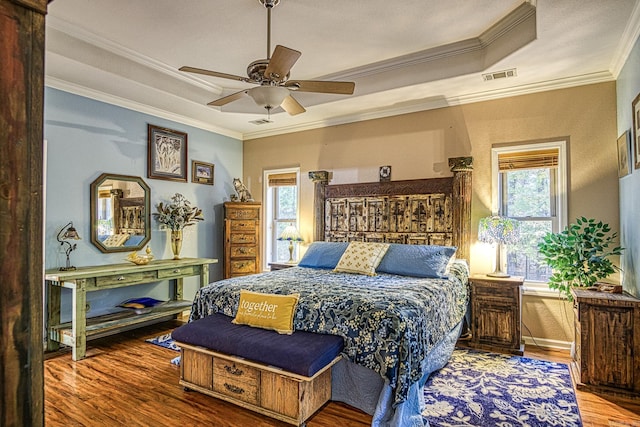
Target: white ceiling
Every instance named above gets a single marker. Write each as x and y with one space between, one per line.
403 56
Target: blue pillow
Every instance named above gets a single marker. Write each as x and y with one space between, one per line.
323 254
417 260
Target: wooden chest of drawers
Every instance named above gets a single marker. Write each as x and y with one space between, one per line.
242 238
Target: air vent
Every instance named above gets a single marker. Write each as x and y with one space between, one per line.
261 121
499 75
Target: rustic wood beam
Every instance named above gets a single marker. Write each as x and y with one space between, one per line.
22 26
320 180
462 168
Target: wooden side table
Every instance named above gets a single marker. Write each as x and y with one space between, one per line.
607 334
111 276
496 313
281 265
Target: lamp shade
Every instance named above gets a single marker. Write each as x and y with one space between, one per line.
268 96
499 229
291 234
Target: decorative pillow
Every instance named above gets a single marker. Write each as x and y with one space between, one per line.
267 311
361 258
323 254
418 260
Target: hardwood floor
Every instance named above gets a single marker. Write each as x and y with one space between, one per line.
126 381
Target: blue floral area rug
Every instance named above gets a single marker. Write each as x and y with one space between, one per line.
487 389
167 342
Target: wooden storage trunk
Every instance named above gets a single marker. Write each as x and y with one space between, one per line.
279 394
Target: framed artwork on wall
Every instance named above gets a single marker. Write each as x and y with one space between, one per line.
202 172
635 107
166 154
623 155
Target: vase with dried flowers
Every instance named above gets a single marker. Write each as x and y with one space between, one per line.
175 216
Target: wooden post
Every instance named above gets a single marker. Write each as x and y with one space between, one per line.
462 168
22 28
320 180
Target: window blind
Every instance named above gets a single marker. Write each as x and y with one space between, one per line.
282 179
534 159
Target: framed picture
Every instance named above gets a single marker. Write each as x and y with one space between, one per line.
201 172
635 106
166 154
623 155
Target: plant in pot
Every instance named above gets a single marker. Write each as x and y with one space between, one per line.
579 255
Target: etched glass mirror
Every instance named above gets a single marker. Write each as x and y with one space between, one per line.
120 213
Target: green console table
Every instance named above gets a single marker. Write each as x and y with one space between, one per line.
88 279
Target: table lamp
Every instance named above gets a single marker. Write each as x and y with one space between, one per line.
498 230
68 232
291 234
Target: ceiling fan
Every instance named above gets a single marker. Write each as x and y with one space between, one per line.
272 77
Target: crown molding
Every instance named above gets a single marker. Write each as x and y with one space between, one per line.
431 104
129 54
630 37
75 89
520 17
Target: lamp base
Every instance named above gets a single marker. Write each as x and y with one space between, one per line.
72 268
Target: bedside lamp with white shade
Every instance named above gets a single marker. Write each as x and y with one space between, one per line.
498 230
291 234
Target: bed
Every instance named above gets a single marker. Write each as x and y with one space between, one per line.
398 325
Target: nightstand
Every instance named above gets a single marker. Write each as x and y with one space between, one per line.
281 265
496 313
607 334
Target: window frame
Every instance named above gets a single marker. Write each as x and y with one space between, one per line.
561 197
270 213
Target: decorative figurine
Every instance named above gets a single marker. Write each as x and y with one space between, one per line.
243 192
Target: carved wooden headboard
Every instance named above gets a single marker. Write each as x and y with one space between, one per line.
433 211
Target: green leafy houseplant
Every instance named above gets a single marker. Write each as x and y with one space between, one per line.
579 254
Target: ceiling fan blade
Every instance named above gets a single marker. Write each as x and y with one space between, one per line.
291 106
281 62
227 99
321 86
215 74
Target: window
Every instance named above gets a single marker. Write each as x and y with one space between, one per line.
530 186
281 210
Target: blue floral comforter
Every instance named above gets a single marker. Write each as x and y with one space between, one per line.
389 323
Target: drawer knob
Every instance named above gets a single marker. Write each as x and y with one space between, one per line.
121 278
233 370
233 388
177 270
242 250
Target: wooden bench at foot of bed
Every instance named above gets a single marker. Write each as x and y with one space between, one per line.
214 362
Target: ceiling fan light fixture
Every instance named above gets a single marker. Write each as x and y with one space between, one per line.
268 97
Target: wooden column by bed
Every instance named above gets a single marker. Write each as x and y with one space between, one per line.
434 211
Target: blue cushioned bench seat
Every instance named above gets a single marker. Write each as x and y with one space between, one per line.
302 353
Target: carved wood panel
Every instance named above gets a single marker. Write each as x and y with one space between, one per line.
413 219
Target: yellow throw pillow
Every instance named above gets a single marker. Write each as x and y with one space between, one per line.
362 258
267 311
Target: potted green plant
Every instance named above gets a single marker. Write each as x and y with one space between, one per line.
579 255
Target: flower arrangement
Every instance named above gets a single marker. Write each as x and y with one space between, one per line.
178 214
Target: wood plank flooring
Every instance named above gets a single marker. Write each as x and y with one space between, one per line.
126 381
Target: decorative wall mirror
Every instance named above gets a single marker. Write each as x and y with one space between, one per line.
120 207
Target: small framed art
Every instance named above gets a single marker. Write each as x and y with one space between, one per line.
166 154
623 155
202 172
635 134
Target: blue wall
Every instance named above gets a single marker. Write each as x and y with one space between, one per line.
628 87
86 138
